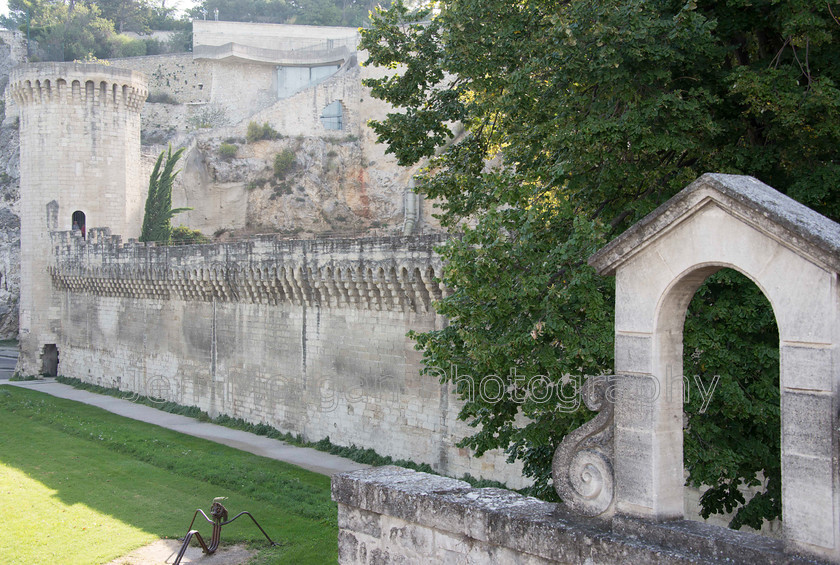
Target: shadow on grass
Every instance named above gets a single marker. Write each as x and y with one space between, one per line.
154 479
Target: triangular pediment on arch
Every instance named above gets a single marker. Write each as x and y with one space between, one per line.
798 227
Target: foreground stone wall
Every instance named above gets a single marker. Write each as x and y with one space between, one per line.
306 336
394 515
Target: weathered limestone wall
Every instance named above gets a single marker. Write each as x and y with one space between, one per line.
306 336
299 115
12 53
393 515
269 36
232 90
176 74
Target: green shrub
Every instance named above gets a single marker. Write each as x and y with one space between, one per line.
228 151
154 47
284 162
161 98
257 132
183 235
17 377
181 41
281 189
122 46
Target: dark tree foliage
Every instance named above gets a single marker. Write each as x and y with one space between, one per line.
579 118
158 214
352 13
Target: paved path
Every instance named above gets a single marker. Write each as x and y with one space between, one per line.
305 457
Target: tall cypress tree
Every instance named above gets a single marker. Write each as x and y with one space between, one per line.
156 220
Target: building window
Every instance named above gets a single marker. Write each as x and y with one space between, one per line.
291 80
331 116
79 222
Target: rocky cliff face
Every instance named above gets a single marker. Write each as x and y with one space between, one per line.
302 187
9 232
12 51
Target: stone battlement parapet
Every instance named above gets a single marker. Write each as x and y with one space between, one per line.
376 273
78 83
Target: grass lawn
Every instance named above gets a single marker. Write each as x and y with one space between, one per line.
81 485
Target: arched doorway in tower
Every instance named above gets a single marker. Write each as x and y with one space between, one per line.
79 222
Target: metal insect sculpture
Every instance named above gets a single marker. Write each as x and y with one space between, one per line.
219 516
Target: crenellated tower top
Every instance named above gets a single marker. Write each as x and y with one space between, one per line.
78 83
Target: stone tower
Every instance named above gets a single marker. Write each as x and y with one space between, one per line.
79 169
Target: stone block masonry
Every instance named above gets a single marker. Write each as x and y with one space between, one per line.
394 515
308 336
79 142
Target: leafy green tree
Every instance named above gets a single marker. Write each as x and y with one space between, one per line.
579 118
127 15
64 31
320 12
261 11
352 13
167 19
68 30
157 224
124 46
82 34
731 333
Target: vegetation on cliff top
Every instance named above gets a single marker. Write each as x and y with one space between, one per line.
78 30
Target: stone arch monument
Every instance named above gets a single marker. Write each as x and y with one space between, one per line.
793 255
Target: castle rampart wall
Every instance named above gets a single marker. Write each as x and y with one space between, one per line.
306 336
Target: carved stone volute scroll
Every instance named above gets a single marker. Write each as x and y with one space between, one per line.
582 465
